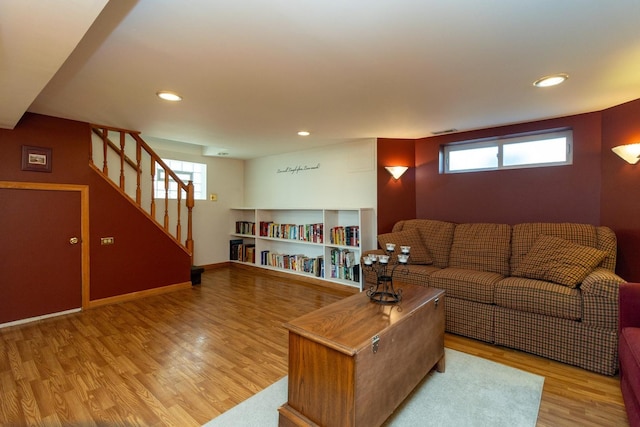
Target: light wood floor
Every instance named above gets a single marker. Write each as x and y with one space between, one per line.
183 358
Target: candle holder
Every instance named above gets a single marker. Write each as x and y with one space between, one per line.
384 292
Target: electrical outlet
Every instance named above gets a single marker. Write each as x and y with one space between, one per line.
107 240
213 197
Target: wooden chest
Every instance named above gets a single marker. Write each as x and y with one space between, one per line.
353 362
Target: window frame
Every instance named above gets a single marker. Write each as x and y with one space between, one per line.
501 142
159 189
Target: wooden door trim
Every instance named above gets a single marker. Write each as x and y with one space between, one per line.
84 223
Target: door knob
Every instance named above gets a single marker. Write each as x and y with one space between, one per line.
73 240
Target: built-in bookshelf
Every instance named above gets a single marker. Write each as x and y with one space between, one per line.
322 243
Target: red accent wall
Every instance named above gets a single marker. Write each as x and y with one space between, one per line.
143 256
67 139
396 198
553 194
620 197
599 188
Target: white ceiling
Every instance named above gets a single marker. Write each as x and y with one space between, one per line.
254 72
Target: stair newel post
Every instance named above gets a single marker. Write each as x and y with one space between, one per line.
153 190
139 173
122 142
190 204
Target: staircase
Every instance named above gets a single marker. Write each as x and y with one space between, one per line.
132 167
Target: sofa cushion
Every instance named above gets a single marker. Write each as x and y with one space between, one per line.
560 261
413 274
482 247
418 252
471 285
436 235
525 235
540 297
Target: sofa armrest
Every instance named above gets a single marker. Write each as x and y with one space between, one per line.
629 305
600 299
602 283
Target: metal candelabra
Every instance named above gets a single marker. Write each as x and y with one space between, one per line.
383 292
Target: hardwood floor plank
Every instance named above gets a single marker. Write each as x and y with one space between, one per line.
182 358
10 407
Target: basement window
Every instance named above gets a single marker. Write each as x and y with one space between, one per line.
550 148
186 171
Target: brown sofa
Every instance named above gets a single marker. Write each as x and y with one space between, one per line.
544 288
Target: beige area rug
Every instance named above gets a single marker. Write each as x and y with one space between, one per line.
471 392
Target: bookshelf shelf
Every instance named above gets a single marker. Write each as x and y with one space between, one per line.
322 243
298 242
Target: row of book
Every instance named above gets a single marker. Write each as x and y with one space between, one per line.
343 262
306 232
340 235
246 227
344 265
300 263
240 251
345 235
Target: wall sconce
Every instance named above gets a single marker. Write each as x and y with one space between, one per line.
629 152
396 171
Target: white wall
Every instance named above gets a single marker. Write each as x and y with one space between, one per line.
336 176
225 177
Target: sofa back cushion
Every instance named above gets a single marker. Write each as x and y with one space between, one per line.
436 235
483 247
419 254
525 235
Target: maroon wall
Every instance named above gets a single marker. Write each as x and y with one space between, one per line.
621 186
67 139
143 256
396 198
554 194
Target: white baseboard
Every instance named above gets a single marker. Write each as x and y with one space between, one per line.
33 319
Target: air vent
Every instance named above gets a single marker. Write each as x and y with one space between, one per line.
442 132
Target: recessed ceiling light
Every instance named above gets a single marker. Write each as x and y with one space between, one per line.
552 80
304 133
169 96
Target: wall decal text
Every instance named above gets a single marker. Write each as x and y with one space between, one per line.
298 168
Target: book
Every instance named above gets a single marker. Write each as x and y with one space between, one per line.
249 253
245 227
264 258
234 247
